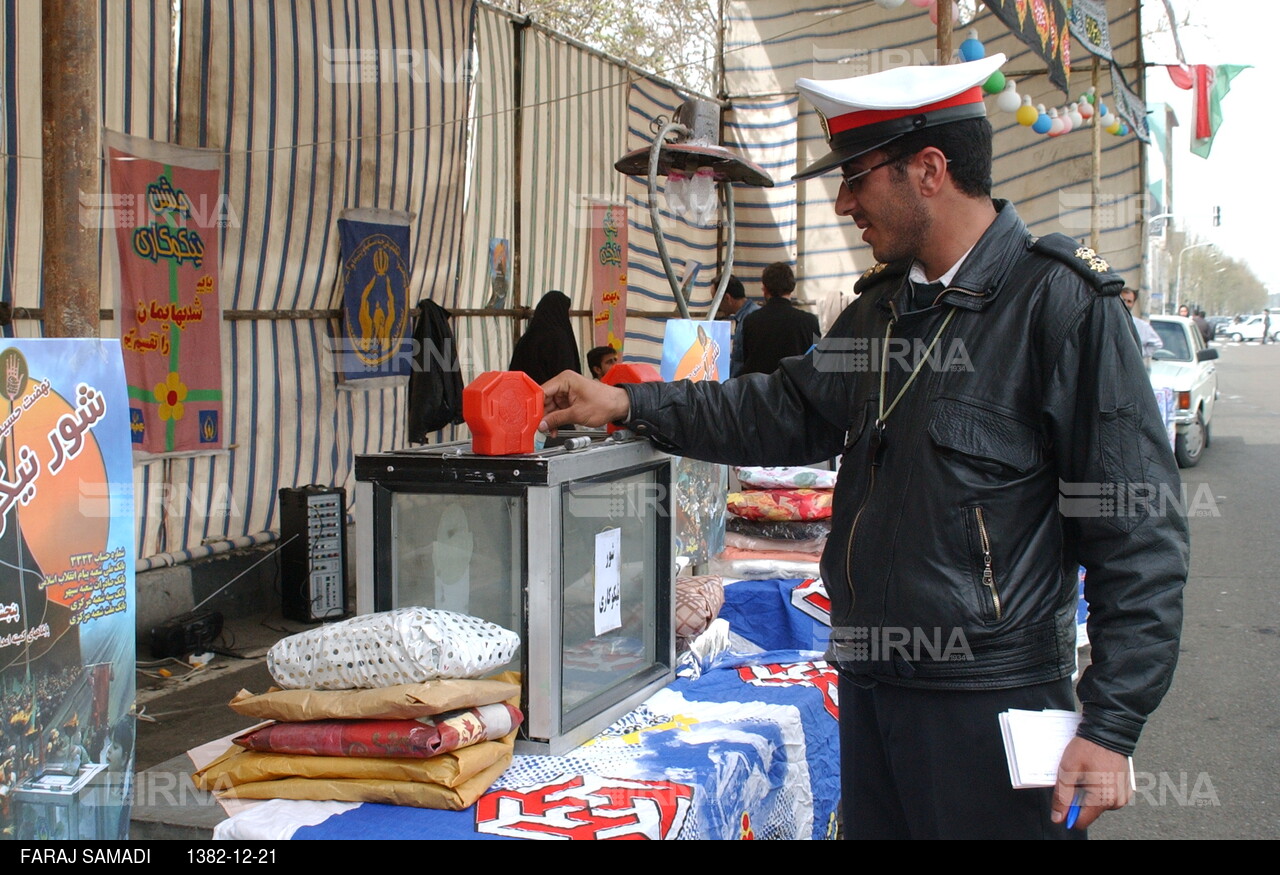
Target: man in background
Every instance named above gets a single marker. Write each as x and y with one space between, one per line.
736 307
1148 340
600 359
1203 326
779 329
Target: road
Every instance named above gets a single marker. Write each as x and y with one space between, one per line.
1208 764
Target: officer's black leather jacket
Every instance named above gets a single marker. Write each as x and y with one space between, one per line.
1028 445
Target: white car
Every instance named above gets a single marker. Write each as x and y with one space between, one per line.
1250 329
1189 368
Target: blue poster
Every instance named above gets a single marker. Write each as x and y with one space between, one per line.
376 341
66 591
695 351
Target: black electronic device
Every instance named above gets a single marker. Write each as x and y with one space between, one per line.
193 632
313 553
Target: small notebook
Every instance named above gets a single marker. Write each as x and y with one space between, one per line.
1034 742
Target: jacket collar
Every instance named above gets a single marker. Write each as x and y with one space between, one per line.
982 275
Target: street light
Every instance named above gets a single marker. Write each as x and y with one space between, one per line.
1178 299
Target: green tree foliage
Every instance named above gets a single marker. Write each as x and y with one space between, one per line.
1218 283
677 39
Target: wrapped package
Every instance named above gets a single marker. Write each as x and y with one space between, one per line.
407 645
783 530
402 701
781 504
786 478
420 738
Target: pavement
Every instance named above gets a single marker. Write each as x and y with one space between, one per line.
190 707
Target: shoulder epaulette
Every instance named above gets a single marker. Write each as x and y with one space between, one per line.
881 271
1083 260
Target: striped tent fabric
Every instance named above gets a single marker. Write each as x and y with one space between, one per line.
770 43
135 81
319 107
485 342
763 130
575 127
20 174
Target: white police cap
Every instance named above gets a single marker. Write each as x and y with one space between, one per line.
863 113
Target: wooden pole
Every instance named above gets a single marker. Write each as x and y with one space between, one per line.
1095 184
944 32
72 168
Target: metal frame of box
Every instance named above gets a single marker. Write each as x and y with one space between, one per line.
541 480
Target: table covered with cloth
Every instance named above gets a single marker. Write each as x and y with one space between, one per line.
749 748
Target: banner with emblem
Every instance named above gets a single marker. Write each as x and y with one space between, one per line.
1129 106
608 254
67 607
376 347
1042 26
166 206
1090 27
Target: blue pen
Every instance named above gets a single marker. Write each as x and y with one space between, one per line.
1074 811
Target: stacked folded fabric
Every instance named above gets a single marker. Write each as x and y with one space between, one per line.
778 524
349 730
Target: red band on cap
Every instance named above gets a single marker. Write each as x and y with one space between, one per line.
863 117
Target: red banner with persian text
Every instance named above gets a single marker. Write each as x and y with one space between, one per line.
608 250
166 207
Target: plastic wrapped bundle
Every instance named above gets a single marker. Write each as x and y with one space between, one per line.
408 645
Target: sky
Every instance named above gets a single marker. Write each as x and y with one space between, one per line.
1237 175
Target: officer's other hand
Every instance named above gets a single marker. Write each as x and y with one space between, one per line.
572 399
1099 776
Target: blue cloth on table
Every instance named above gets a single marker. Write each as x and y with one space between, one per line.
761 612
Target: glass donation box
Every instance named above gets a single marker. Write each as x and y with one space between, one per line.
571 547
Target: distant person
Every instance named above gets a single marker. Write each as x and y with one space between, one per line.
600 359
1266 326
1148 339
1184 310
547 346
779 329
1202 324
736 307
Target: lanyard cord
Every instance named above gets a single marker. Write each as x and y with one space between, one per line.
882 413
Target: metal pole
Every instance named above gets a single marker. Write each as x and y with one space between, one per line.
1178 302
656 219
727 191
517 167
72 166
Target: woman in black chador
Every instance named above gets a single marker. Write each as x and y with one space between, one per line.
547 346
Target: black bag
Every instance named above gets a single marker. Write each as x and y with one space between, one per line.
435 385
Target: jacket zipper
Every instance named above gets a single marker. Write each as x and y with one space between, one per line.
848 556
988 576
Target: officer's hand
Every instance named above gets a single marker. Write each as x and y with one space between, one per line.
572 399
1099 776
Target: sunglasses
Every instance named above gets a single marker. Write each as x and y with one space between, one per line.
852 179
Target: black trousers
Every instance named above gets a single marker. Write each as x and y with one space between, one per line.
930 764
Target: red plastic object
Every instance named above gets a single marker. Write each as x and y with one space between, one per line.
502 409
630 372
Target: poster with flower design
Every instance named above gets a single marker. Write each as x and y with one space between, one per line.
166 207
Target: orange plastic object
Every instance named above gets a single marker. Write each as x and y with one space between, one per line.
502 409
630 372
